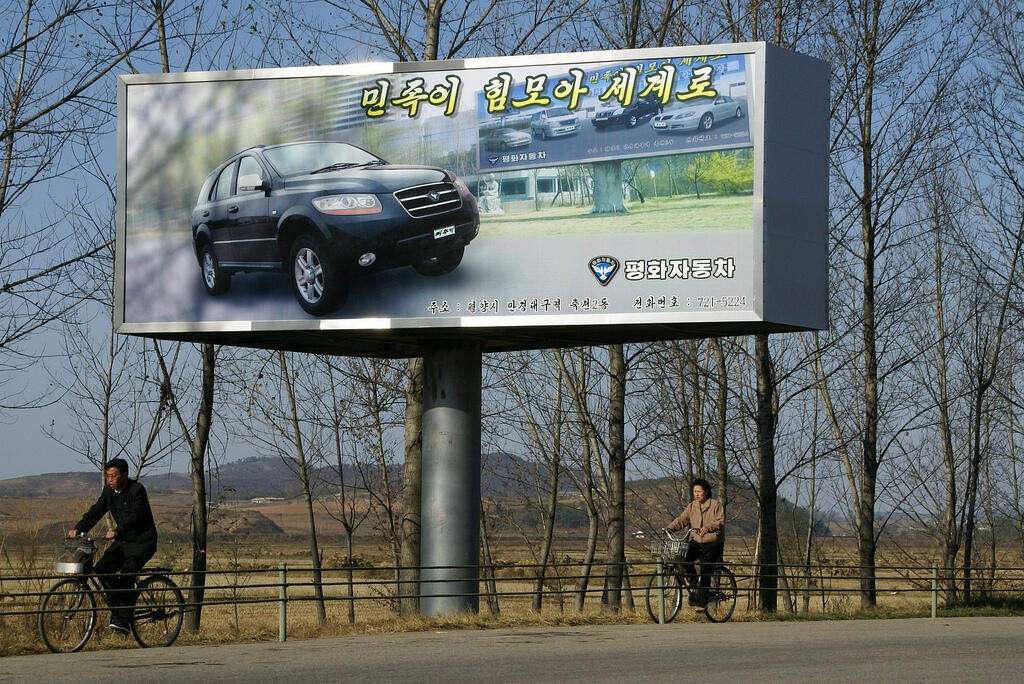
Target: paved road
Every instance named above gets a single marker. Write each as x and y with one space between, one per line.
919 650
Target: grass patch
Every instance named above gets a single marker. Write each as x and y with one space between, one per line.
997 607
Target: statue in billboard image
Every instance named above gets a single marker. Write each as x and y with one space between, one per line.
298 212
490 196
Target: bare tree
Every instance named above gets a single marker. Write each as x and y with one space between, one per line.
412 472
536 422
297 438
198 440
374 411
54 62
350 514
589 482
997 193
884 115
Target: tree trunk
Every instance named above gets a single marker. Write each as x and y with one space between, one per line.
788 601
554 464
616 476
307 491
548 529
490 585
869 444
809 541
350 577
950 529
972 485
409 575
593 527
721 410
766 422
608 188
869 440
204 419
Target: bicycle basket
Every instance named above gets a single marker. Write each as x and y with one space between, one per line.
673 549
74 557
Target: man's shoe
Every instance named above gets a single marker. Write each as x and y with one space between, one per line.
118 626
699 609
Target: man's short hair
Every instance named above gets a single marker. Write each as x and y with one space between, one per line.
118 463
701 482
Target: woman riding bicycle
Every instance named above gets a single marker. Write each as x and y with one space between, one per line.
706 518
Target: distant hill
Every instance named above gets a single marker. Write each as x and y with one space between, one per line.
51 485
254 477
87 484
505 477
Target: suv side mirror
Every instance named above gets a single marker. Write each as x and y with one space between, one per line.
250 182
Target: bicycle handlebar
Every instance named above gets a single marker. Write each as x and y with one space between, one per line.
81 537
684 534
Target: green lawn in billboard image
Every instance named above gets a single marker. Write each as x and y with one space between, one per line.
654 215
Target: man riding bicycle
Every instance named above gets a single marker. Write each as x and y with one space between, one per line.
706 517
133 538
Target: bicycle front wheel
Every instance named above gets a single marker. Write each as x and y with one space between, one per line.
671 595
721 595
159 611
67 616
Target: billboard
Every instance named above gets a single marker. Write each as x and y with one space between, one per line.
530 201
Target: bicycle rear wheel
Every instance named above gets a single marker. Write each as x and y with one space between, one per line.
67 616
159 611
672 593
721 595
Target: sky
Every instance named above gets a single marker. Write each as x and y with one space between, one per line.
28 451
26 448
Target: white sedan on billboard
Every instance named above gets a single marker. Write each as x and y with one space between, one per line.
697 116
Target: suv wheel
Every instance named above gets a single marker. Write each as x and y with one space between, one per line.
633 120
215 279
317 285
441 264
706 122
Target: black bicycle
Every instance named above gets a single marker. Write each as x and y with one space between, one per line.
67 612
668 584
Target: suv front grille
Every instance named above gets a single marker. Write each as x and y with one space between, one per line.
429 200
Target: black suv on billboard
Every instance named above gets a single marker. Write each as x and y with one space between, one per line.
324 212
630 115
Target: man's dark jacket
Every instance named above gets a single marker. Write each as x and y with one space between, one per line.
135 531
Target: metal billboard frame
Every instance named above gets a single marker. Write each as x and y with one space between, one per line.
789 128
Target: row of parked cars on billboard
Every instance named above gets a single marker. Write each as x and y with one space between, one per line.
560 121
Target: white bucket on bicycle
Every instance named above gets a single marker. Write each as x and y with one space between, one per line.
74 557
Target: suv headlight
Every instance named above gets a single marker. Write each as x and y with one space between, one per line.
347 205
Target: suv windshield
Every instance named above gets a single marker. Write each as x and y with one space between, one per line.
558 111
305 158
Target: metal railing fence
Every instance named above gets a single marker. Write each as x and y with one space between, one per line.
370 593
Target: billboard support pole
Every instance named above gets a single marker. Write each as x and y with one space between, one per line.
450 513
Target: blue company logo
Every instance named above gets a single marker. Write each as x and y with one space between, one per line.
604 268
